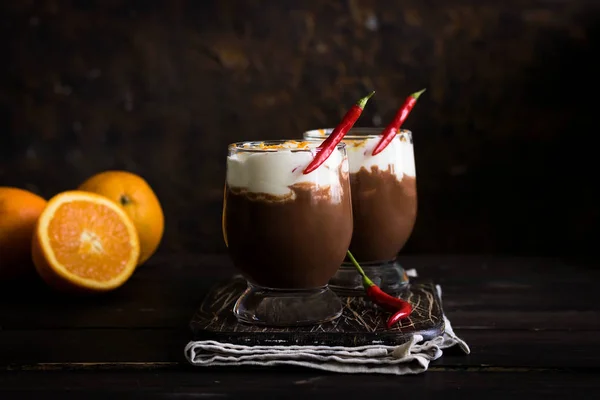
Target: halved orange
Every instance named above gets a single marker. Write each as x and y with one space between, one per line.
84 242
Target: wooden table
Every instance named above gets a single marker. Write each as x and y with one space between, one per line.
532 323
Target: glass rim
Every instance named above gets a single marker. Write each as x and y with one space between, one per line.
360 133
254 146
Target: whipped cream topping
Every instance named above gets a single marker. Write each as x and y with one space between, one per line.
274 169
398 157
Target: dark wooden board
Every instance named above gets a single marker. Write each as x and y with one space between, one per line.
361 322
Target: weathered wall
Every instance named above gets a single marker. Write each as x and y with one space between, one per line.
160 88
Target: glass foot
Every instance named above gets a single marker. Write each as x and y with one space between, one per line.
389 276
287 307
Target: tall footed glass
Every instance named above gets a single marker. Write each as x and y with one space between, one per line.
384 205
286 232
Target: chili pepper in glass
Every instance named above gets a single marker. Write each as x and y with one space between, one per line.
399 307
384 208
390 131
384 202
329 144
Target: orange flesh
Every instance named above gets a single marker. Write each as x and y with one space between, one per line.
89 240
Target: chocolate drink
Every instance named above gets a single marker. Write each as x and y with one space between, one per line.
385 210
287 230
384 193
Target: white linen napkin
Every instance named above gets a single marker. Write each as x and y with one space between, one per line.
412 357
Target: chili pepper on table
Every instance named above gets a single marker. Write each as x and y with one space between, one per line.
399 307
326 148
398 315
390 131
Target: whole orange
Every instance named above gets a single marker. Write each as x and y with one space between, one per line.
19 212
138 200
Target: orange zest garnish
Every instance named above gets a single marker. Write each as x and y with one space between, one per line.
85 242
287 145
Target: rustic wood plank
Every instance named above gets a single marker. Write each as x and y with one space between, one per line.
93 346
558 320
163 293
455 268
300 384
518 316
544 349
478 291
171 304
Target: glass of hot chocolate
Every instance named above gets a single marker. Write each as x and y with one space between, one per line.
384 205
287 232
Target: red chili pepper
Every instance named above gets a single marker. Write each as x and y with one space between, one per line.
390 131
398 315
326 148
382 299
399 307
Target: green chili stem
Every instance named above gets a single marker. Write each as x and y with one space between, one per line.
360 270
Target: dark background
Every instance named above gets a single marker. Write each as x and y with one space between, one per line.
503 136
